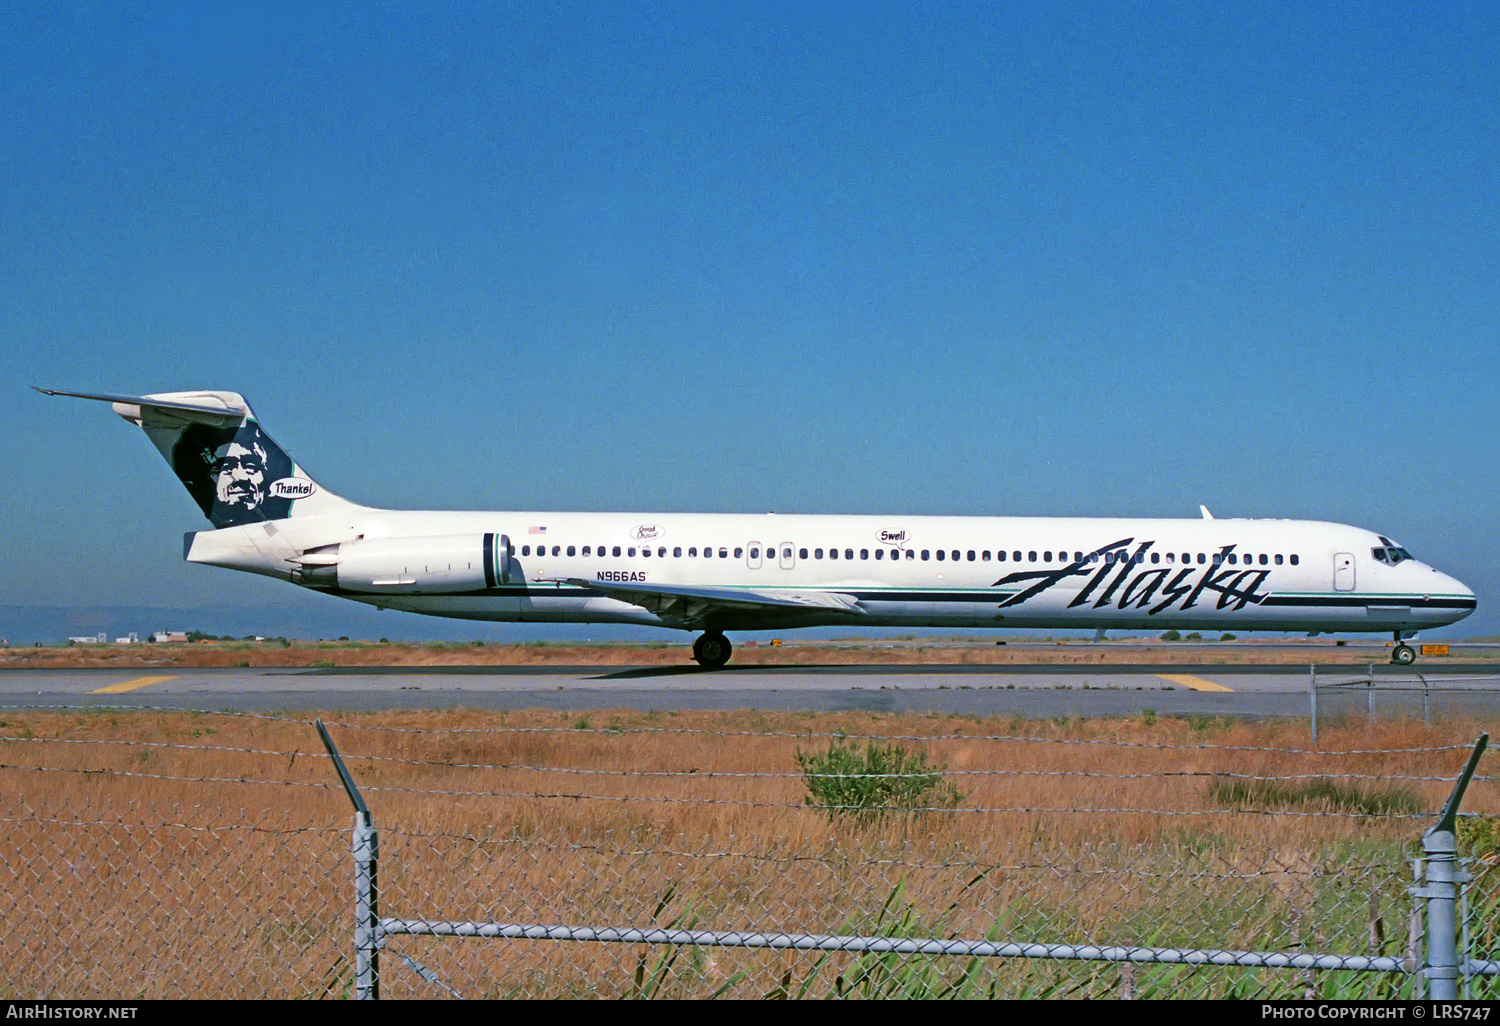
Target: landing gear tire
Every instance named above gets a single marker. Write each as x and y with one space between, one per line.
1403 655
712 650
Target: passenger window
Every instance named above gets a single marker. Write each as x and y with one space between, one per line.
631 550
1015 556
1293 558
864 553
708 552
1031 557
677 552
570 551
926 554
848 553
801 553
738 552
941 555
911 553
1278 559
971 555
833 553
646 551
880 553
1046 557
557 550
1263 559
1000 556
693 551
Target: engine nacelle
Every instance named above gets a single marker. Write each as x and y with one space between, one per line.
438 564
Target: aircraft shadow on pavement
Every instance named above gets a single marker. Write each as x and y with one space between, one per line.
675 671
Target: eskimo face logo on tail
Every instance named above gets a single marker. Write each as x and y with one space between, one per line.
236 475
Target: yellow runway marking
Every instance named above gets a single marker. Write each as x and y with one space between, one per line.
130 685
1187 680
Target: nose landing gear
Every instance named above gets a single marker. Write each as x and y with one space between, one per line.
1403 654
712 650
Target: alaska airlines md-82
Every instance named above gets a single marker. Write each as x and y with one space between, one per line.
713 573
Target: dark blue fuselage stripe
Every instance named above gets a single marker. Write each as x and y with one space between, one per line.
1374 603
493 588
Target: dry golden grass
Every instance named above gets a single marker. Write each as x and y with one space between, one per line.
163 825
795 653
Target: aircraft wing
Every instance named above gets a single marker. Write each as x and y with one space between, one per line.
689 604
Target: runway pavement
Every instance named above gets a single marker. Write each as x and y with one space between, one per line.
1028 691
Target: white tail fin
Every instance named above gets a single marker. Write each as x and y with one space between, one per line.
232 469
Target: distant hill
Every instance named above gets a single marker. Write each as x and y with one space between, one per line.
301 616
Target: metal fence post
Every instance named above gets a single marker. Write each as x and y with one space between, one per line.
1312 698
366 848
366 909
1440 890
1441 894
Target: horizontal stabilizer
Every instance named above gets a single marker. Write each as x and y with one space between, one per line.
210 409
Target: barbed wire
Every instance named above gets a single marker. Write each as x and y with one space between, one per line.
136 774
1029 809
1044 860
682 800
168 745
747 775
785 735
35 820
843 736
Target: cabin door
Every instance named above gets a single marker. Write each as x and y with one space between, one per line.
788 560
1343 571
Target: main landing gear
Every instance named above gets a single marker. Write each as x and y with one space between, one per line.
712 650
1403 654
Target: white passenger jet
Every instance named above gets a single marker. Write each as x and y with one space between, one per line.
738 572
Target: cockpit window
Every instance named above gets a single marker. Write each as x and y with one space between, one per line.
1389 554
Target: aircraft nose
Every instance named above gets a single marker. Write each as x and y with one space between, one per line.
1447 584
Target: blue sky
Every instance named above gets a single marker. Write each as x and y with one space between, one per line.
1114 259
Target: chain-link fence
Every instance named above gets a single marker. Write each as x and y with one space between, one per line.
532 855
1347 699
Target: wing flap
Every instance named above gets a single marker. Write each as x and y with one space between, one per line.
692 604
